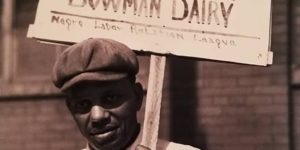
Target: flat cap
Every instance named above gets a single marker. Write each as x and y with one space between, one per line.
94 59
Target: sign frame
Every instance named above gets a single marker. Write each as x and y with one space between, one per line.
164 33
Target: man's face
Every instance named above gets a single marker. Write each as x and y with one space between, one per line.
105 112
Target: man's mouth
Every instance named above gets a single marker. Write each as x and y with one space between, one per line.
103 132
105 135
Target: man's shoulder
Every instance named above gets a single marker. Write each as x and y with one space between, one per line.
167 145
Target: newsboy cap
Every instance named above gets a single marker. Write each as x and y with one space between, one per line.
94 59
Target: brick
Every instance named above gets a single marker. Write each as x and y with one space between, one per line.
240 147
218 121
272 147
36 145
244 81
275 109
262 139
220 82
279 129
206 100
280 100
280 119
220 101
239 111
281 140
277 90
210 111
253 100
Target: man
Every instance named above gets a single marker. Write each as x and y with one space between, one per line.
98 78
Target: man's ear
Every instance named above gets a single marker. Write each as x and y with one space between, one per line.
139 94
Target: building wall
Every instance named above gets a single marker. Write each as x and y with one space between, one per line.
238 107
37 123
295 90
245 107
210 105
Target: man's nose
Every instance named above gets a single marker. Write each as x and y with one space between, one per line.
99 115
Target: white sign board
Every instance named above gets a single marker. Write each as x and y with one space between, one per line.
226 30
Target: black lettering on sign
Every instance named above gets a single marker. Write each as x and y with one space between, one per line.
68 22
219 42
140 7
202 11
77 3
155 5
106 26
93 4
195 12
115 5
150 31
143 5
55 19
226 13
129 2
212 12
185 11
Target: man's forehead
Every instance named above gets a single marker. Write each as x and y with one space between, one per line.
91 86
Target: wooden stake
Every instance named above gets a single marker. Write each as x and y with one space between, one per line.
7 41
153 101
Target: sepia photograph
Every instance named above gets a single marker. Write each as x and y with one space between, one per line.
149 75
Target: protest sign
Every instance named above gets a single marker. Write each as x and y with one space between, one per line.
226 30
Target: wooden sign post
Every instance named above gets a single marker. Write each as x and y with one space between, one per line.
153 101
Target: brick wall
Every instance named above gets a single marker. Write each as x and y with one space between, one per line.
238 107
37 123
296 76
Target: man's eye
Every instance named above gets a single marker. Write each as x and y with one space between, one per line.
82 106
112 100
